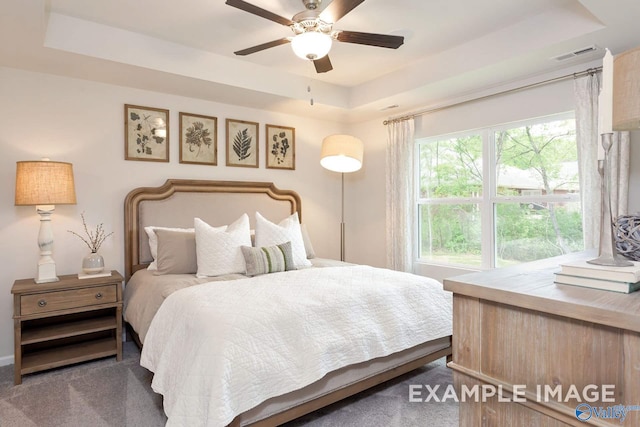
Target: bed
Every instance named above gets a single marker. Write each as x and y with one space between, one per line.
194 331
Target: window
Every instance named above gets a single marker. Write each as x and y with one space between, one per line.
499 196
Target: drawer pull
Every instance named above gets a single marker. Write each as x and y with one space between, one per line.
42 303
99 295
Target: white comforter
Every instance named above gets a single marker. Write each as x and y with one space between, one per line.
221 348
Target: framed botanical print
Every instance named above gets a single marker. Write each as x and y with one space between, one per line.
146 133
242 143
198 139
281 147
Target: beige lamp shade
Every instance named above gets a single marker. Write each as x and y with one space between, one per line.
341 153
626 90
44 183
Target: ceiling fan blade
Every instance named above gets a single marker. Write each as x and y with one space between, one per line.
247 7
262 46
323 64
371 39
337 9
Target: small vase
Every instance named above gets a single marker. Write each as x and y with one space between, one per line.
93 263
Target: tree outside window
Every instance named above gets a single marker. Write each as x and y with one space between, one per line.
499 196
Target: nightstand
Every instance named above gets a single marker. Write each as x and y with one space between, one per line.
65 322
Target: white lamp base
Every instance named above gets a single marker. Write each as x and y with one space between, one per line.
46 264
46 272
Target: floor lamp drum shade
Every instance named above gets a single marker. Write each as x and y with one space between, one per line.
45 184
342 153
626 90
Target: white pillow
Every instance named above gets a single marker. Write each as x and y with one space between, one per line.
153 242
270 234
219 251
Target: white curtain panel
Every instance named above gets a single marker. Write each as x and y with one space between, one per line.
586 89
399 186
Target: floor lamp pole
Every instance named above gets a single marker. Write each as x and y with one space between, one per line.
342 254
341 153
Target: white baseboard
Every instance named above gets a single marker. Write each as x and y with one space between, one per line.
6 360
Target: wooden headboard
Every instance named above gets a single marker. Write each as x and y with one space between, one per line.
178 201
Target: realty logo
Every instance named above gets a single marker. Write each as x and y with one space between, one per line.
583 412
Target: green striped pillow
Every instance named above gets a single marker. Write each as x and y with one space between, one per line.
270 259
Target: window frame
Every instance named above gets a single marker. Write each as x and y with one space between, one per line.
488 200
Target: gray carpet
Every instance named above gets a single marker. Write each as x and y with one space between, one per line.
107 393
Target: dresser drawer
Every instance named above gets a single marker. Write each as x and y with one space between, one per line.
62 300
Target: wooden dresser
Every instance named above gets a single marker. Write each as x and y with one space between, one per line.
515 327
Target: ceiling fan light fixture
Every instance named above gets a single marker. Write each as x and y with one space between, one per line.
311 45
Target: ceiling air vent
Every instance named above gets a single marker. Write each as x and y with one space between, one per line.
575 53
389 107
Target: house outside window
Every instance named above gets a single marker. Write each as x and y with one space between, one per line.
499 196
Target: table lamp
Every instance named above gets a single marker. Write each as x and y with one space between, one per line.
44 184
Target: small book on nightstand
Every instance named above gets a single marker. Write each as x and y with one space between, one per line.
106 273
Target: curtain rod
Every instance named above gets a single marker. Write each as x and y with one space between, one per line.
504 92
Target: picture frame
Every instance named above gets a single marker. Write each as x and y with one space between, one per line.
280 147
146 133
198 139
242 143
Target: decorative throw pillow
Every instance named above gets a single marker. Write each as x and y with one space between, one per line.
176 252
271 259
218 251
269 234
153 241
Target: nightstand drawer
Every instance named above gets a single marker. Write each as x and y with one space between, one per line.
62 300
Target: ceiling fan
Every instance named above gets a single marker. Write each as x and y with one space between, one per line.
313 31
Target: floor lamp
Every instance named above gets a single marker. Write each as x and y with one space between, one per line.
342 153
44 184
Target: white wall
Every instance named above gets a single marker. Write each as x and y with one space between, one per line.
366 188
82 122
365 199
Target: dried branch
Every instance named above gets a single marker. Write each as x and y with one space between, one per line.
94 239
